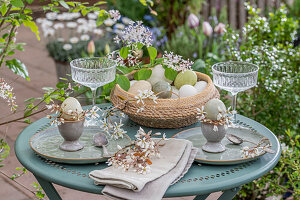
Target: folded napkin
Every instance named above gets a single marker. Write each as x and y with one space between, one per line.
177 156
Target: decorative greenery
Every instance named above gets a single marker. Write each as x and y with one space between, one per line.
268 43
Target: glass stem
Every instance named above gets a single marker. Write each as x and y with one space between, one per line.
94 95
234 98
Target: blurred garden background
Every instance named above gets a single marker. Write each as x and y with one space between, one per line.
263 32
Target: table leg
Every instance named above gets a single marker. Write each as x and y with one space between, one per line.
229 194
48 188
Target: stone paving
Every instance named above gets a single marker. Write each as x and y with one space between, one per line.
42 73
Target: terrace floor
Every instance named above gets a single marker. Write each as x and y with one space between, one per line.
42 73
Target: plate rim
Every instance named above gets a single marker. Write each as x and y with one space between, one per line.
57 158
224 161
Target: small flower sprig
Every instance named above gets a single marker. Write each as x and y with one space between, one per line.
224 118
261 147
138 154
111 127
176 62
75 115
146 94
6 93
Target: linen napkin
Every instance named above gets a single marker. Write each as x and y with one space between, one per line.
177 155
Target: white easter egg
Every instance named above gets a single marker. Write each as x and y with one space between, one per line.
139 85
213 107
158 74
174 90
200 86
187 91
132 82
70 105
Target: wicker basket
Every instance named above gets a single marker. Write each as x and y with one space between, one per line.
167 113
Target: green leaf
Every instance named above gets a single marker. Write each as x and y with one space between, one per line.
143 74
29 1
17 3
124 52
30 100
60 85
18 68
64 4
108 87
124 70
3 9
99 3
33 27
199 66
71 4
152 52
84 12
170 74
101 17
27 113
139 45
123 82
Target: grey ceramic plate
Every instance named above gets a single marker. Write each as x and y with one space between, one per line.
46 144
231 156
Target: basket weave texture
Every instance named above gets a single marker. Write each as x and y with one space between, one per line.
167 113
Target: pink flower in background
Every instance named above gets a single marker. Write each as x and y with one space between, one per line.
220 28
91 47
207 29
193 21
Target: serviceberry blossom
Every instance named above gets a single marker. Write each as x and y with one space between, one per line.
114 14
58 118
222 118
262 147
146 94
138 154
135 33
112 127
6 93
131 60
176 62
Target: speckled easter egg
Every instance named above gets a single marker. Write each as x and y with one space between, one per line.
213 107
174 90
200 86
187 91
163 89
185 78
70 105
158 74
139 85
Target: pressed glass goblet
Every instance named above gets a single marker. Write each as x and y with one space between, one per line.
235 77
93 73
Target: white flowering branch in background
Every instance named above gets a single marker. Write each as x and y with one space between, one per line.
6 93
222 118
146 94
114 14
138 154
260 148
176 62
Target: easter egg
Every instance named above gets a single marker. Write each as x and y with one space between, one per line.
200 86
213 107
70 105
158 74
132 82
174 90
163 89
187 91
139 85
185 78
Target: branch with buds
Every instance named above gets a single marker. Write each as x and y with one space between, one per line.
138 154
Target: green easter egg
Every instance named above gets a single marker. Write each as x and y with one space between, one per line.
185 78
163 89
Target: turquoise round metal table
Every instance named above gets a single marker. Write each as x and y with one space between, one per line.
201 180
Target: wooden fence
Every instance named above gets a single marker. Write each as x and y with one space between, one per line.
237 15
